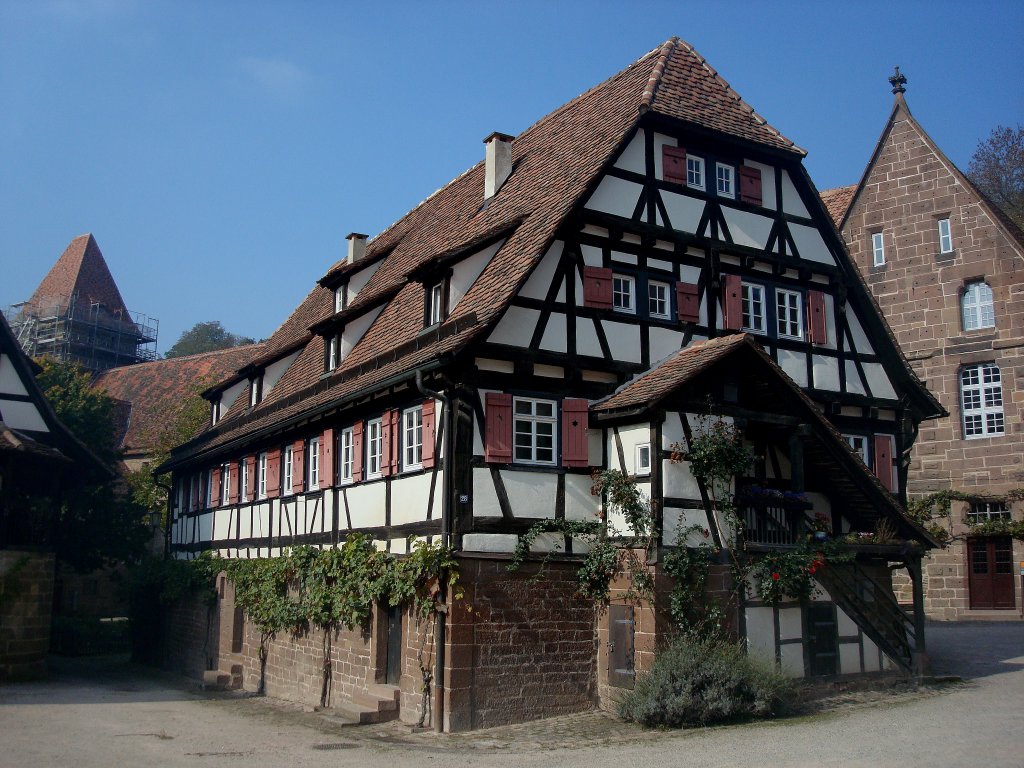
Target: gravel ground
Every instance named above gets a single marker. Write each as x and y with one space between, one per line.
105 712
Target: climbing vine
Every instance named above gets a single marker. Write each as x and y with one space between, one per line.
934 511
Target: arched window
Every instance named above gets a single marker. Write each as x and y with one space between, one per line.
981 400
976 306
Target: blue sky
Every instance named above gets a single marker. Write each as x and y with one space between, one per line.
221 151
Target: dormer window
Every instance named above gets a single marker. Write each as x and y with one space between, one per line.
255 390
340 298
436 301
333 352
215 411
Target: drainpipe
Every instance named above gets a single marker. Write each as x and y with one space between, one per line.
439 622
167 517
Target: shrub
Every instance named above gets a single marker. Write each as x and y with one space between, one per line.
699 682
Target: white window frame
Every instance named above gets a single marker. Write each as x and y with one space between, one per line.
695 172
945 236
725 180
436 300
859 444
656 286
287 464
225 484
412 438
977 306
535 426
374 448
313 464
346 455
878 248
333 352
209 489
261 476
789 314
759 320
642 461
243 481
981 401
624 286
986 511
340 298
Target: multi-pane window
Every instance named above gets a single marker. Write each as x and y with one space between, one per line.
340 298
346 455
789 314
859 444
622 293
984 511
945 237
374 447
981 400
261 477
878 249
724 177
976 306
752 296
657 299
289 460
243 480
412 438
435 313
534 428
695 172
211 492
225 484
333 352
313 464
643 459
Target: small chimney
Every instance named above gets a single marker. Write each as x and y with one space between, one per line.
498 165
356 247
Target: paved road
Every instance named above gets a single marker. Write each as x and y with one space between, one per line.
107 713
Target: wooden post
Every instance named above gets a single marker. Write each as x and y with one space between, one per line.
920 651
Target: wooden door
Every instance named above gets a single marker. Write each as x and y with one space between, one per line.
393 674
822 639
990 573
621 669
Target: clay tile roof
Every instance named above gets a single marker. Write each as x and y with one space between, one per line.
150 394
837 201
81 270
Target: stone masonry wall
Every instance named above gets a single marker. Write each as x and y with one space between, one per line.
26 601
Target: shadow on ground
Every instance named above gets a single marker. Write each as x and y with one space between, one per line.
974 649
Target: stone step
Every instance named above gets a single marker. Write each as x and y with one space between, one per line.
370 701
363 715
384 691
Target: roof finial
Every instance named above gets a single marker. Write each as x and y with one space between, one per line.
898 80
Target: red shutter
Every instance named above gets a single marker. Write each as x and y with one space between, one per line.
233 483
298 466
250 478
575 447
750 184
389 439
498 432
597 287
883 461
732 302
215 492
687 302
357 452
429 433
273 473
673 164
327 459
193 493
816 326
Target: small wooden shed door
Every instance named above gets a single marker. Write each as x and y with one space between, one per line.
822 639
990 569
621 669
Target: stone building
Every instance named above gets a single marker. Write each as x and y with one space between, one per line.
946 266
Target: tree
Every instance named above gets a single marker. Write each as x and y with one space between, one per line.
206 337
997 169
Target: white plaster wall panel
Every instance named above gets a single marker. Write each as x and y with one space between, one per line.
360 278
792 659
632 157
10 381
768 199
853 383
366 504
671 429
623 341
515 327
665 266
761 634
595 443
229 395
684 212
548 542
675 521
499 366
663 342
465 273
624 258
275 371
21 414
791 202
665 245
478 437
554 337
539 281
205 526
245 522
845 626
261 519
580 503
223 524
831 332
592 256
355 330
409 496
849 658
485 499
791 623
826 372
489 542
531 494
870 655
678 481
689 274
809 242
660 140
878 380
795 365
586 337
860 339
398 546
747 228
549 371
285 517
631 437
615 196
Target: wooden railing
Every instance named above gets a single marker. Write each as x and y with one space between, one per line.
771 519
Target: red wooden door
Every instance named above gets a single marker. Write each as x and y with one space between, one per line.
990 572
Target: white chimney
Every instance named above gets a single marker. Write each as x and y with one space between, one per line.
356 247
498 165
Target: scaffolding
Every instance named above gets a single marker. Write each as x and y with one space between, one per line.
74 329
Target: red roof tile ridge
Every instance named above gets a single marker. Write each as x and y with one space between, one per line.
664 53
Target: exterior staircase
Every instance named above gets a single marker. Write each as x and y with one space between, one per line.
378 704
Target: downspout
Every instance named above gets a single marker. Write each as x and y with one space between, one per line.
167 517
439 621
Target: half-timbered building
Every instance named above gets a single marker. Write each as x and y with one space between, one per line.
571 303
